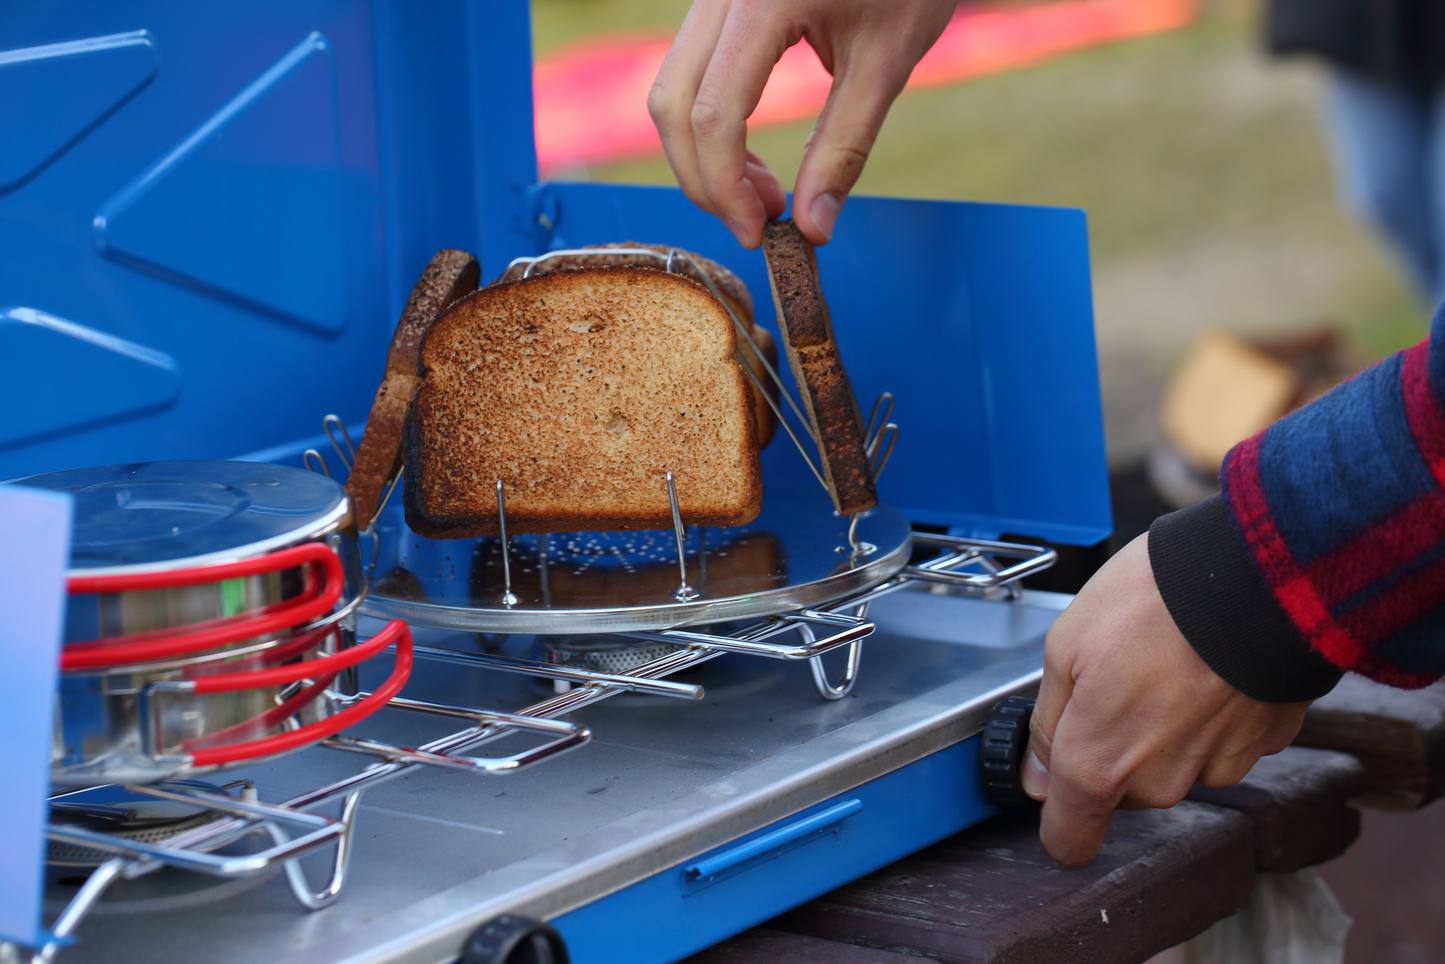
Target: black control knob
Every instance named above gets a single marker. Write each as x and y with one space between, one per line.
1005 741
510 939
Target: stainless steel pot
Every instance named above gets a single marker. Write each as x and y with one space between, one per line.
207 617
166 517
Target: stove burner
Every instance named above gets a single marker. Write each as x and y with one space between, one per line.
601 654
143 819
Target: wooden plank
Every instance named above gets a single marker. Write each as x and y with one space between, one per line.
1299 801
1399 736
991 894
763 946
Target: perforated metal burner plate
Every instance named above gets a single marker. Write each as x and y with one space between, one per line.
794 556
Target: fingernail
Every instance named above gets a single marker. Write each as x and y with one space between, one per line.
824 212
1034 776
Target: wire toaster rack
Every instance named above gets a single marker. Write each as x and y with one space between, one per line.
964 563
292 829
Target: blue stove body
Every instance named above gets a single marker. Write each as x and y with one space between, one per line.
211 215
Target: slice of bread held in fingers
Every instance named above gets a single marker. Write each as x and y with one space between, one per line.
734 293
818 367
579 390
448 276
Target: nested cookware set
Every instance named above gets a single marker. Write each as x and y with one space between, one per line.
207 622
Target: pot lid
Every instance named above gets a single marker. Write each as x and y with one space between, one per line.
147 516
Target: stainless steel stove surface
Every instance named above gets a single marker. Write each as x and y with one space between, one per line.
439 852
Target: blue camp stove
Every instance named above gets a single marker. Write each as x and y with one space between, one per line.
216 219
680 824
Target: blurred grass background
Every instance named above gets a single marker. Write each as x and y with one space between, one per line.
1200 161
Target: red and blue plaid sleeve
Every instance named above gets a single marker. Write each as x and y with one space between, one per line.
1335 518
1341 506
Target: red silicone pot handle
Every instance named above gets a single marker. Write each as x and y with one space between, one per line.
290 673
270 562
396 631
123 650
259 724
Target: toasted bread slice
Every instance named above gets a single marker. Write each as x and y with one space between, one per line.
734 293
448 276
580 390
818 367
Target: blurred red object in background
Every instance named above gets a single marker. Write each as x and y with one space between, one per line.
591 98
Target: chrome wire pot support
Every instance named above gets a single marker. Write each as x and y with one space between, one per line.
193 849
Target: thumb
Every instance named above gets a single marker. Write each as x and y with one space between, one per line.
1054 692
839 145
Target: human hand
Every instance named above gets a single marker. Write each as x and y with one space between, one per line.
714 75
1129 716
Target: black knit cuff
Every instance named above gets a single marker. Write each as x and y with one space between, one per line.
1223 607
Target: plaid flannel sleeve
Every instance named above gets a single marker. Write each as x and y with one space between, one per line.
1325 551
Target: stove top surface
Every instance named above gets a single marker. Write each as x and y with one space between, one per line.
437 852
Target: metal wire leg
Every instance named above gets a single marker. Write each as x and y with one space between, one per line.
820 674
296 876
90 892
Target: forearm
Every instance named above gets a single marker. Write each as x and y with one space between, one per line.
1333 521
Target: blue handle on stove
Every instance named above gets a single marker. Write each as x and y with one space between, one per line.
815 824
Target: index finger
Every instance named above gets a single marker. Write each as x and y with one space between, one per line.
671 98
746 52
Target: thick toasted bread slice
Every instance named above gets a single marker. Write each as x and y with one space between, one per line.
818 367
580 390
448 276
734 293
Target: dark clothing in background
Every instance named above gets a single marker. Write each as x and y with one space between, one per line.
1393 40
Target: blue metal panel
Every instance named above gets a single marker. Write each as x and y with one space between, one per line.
205 215
979 317
138 379
454 90
224 256
669 915
247 191
52 95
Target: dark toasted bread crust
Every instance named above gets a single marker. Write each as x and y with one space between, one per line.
818 367
729 284
441 498
448 276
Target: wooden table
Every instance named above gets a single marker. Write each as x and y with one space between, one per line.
991 894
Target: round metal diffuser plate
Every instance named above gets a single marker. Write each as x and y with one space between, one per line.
149 516
795 555
601 654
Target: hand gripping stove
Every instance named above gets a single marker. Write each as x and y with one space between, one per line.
368 136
